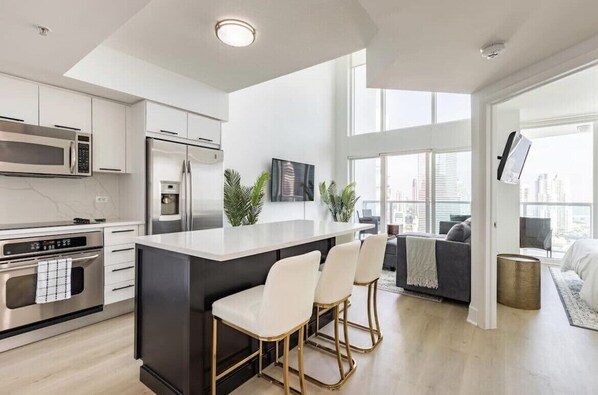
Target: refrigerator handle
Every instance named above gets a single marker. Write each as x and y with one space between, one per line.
184 198
190 185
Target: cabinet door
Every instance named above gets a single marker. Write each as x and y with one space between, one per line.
109 122
18 101
166 120
63 109
203 129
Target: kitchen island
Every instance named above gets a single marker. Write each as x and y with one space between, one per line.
180 275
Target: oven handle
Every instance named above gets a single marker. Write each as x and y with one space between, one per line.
85 258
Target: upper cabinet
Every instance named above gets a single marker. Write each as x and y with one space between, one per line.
63 109
109 136
203 130
18 100
166 120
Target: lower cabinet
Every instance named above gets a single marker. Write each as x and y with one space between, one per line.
119 263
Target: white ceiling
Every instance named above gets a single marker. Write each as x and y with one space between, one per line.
290 35
434 45
573 95
77 28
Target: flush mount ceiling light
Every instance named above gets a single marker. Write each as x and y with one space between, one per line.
235 33
493 49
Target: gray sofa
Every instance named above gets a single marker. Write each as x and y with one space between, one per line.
453 261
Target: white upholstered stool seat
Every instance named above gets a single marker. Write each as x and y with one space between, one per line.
369 269
241 309
335 284
270 312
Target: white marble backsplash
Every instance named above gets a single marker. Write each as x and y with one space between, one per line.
28 199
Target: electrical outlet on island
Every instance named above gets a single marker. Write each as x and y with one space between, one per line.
102 199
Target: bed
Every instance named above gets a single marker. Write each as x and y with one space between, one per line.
582 258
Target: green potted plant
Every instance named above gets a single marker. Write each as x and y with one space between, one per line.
242 204
341 206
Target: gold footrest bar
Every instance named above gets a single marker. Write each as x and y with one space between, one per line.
277 382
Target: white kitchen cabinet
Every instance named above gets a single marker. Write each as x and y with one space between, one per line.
18 100
203 129
119 263
166 120
64 109
109 123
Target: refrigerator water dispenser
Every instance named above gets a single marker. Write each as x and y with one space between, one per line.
170 199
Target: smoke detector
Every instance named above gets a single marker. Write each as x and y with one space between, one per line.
492 50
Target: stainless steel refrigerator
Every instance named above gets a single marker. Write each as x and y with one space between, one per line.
184 187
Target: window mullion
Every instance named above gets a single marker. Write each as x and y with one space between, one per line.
383 110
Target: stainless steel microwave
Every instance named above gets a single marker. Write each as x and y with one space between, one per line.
41 151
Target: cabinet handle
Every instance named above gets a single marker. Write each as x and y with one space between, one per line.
125 287
123 231
169 132
205 139
12 119
124 249
108 169
123 268
68 128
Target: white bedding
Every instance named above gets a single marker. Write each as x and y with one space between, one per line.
582 258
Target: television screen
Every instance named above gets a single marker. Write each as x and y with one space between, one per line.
292 181
513 158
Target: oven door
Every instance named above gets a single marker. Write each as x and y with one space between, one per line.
18 283
34 154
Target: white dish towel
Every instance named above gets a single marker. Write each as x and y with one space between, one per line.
53 280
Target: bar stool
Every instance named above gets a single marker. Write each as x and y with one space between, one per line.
334 289
369 268
271 312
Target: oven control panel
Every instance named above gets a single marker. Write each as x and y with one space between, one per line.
30 247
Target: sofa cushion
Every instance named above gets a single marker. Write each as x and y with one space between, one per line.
459 232
391 246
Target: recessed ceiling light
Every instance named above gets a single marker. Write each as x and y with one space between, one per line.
235 33
493 49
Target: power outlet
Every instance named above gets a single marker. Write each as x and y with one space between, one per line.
102 199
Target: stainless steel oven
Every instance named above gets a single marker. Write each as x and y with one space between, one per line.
18 277
35 150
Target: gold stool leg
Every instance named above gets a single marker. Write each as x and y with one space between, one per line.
346 333
378 331
337 343
371 326
285 366
214 346
300 361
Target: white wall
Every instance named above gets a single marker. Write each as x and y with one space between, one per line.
291 117
112 69
27 199
508 196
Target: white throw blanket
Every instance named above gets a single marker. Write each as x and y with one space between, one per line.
53 280
421 262
582 258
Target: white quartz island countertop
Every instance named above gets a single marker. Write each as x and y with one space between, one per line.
228 243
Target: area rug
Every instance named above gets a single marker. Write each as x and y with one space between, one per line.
578 312
388 281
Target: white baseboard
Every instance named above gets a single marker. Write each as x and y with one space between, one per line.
110 311
472 316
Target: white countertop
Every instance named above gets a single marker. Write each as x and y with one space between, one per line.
50 230
223 244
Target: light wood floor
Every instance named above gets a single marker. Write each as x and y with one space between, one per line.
428 348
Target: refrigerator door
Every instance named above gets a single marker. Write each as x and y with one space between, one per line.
206 184
166 186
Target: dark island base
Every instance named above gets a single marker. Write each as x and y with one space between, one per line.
173 320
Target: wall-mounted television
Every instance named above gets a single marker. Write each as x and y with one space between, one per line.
291 181
513 158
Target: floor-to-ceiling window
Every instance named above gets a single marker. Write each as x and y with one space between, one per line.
367 177
557 184
452 186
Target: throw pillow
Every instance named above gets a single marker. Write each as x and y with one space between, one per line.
459 232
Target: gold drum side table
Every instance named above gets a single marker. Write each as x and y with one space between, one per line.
519 281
